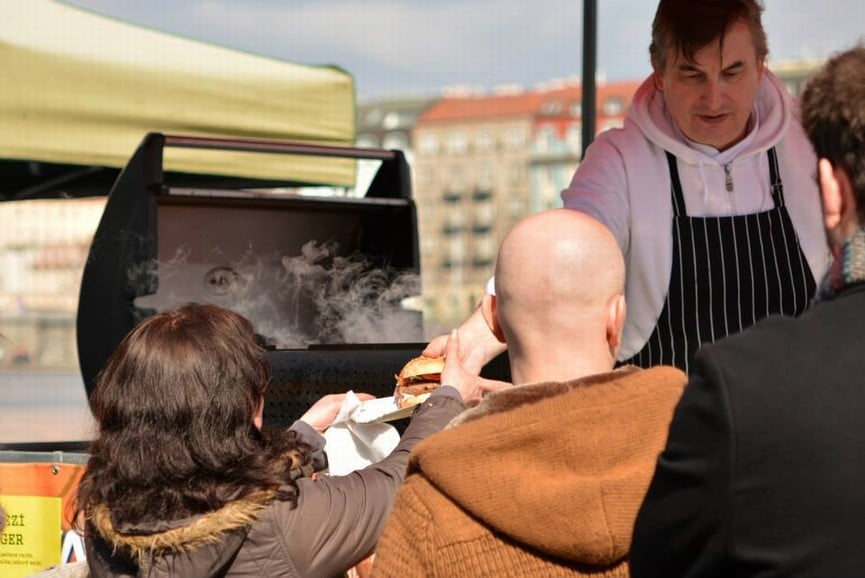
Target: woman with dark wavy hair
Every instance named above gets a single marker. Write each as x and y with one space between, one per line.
183 482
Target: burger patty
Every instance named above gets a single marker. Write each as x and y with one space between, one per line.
418 387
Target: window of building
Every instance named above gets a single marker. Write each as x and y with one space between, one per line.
516 138
452 197
457 250
391 121
485 141
458 143
457 178
574 138
614 106
454 223
485 176
449 229
483 214
483 195
545 141
485 247
552 107
549 188
428 144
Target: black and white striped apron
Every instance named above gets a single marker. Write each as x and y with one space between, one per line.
727 274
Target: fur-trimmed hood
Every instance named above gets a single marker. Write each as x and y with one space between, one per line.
201 546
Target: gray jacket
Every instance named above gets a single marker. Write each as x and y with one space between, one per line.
336 523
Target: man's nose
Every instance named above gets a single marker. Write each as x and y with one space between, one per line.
713 93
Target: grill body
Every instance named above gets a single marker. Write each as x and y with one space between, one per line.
325 280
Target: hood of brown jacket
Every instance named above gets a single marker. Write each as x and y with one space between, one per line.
561 468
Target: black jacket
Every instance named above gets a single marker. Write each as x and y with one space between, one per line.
764 469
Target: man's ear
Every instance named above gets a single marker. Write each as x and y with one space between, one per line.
258 418
840 216
615 323
830 194
658 80
840 211
490 311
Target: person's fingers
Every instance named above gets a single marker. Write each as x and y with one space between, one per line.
453 367
436 347
488 385
452 347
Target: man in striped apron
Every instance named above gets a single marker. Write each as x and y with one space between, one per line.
708 188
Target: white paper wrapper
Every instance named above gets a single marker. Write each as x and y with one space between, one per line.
351 445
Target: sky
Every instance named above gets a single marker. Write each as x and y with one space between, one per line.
421 47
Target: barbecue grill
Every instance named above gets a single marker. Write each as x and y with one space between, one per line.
328 281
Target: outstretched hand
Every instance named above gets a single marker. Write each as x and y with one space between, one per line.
470 385
323 412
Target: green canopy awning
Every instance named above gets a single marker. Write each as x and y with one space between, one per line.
81 89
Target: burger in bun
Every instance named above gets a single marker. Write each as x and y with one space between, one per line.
418 378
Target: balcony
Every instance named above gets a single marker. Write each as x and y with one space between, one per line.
452 229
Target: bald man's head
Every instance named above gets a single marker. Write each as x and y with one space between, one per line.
557 273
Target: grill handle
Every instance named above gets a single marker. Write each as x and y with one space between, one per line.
278 147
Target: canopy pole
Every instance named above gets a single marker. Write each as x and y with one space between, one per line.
590 48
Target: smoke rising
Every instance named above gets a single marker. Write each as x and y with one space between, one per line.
316 297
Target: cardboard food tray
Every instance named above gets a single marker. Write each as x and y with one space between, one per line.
380 409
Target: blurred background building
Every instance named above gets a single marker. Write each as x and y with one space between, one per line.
43 246
482 162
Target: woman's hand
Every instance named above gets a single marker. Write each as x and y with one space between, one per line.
321 414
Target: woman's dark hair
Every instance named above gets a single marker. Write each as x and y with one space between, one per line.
690 25
175 406
833 115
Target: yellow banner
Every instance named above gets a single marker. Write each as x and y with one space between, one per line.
31 540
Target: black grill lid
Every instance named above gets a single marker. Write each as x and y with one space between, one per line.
147 221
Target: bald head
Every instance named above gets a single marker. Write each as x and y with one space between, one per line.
558 274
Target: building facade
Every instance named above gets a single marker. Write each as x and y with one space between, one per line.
43 248
482 162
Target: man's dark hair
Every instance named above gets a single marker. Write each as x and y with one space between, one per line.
833 114
690 25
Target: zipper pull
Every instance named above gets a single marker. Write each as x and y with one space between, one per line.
728 178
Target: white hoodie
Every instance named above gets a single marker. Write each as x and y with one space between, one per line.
624 182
